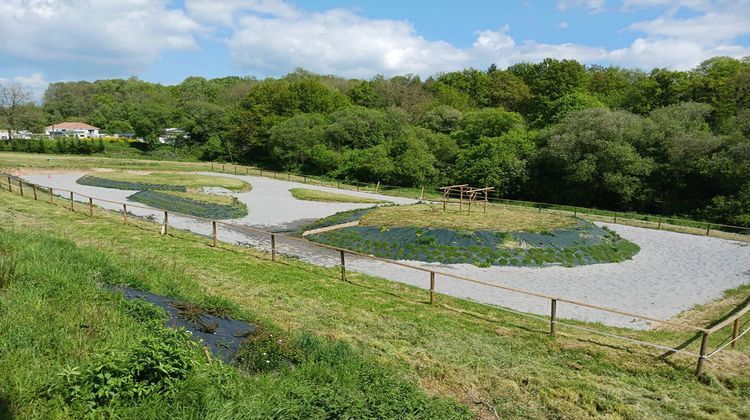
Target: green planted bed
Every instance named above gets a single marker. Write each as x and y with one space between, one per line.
581 244
191 204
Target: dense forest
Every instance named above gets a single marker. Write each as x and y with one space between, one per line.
663 141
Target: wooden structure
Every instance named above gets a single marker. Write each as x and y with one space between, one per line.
464 190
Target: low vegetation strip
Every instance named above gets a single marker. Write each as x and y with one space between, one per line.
317 195
169 181
96 181
191 206
490 359
115 358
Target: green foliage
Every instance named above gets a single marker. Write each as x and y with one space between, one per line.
689 156
155 366
499 162
101 182
207 210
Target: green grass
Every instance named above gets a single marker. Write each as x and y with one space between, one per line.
499 218
481 356
316 195
71 349
162 181
207 206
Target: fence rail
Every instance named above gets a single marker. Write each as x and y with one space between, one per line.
431 194
554 322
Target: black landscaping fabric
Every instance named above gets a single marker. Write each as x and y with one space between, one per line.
227 334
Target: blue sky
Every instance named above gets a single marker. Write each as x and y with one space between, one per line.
164 41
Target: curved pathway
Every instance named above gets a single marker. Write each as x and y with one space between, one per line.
672 273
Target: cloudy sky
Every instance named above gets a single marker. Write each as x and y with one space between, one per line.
165 41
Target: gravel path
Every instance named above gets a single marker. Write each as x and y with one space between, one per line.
672 273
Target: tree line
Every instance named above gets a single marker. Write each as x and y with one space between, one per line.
660 141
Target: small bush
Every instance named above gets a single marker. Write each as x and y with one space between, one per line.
155 366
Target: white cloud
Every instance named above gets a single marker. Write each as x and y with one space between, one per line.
593 6
271 37
35 83
343 42
129 34
339 41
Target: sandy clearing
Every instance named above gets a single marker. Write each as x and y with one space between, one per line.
672 273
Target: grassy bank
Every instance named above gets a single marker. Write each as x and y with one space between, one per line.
506 219
486 358
325 196
70 348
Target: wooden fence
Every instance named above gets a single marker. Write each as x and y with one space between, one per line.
734 319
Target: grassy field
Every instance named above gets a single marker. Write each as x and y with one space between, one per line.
316 195
487 359
500 218
192 182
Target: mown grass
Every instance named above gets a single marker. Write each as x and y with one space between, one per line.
498 218
325 196
484 357
72 349
192 182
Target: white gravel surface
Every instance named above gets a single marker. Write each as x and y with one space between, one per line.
672 272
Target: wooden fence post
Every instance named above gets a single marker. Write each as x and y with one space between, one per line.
289 176
212 166
432 287
735 332
615 217
377 187
235 170
91 207
247 171
213 235
444 205
10 185
222 168
125 214
708 229
166 223
553 318
421 195
273 247
33 189
71 201
50 195
575 211
702 357
261 172
343 266
658 226
20 187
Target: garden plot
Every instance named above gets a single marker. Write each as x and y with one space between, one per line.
672 272
422 233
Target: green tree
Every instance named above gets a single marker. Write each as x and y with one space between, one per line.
488 122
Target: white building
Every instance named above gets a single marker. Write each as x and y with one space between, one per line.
169 135
73 129
17 135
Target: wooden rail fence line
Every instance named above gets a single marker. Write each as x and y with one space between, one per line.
703 354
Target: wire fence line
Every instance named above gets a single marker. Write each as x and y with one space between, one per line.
88 207
430 193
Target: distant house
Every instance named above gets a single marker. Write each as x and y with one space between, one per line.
72 129
17 135
169 135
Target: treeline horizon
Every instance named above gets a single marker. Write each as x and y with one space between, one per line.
660 141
